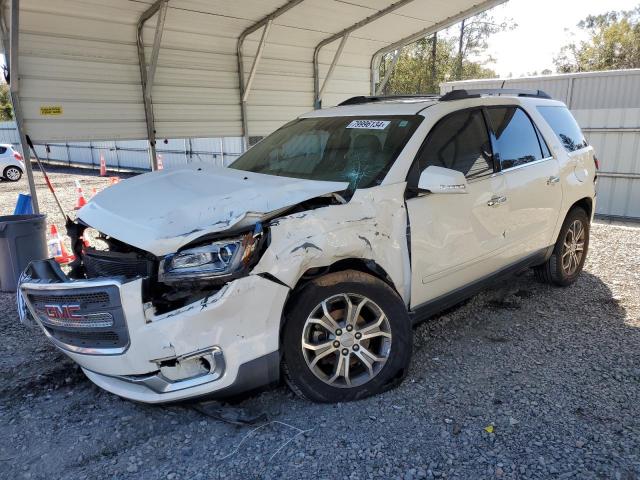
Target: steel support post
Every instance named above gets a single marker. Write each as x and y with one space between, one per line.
147 75
387 75
10 39
241 80
366 21
375 59
327 78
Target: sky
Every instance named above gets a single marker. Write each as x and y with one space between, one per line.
541 32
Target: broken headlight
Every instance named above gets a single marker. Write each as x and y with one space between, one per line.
211 261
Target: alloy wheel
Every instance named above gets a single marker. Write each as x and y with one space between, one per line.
346 340
573 248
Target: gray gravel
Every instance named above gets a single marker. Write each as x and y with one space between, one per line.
555 373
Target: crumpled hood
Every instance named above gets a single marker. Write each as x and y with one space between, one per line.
161 211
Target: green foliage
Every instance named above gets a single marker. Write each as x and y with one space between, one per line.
613 43
418 70
6 112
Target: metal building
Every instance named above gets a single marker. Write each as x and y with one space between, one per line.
607 107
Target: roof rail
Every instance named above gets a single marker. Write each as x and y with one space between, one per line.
380 98
461 94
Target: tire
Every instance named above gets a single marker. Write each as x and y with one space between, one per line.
564 267
373 303
12 173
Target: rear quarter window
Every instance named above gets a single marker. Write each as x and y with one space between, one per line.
564 126
3 150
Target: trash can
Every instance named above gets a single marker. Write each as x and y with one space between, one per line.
22 239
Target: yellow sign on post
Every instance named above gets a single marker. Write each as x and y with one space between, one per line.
50 110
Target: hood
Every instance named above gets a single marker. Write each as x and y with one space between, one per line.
161 211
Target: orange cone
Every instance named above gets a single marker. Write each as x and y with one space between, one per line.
103 166
57 249
80 200
94 192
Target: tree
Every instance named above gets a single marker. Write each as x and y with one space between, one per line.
444 56
613 43
6 111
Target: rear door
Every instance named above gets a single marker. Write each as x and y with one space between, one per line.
532 176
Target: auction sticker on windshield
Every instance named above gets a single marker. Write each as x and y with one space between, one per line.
369 124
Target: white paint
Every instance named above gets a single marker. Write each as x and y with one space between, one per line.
161 211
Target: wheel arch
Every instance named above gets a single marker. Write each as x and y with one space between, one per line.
586 203
370 267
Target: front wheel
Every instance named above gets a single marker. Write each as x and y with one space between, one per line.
569 252
347 336
13 174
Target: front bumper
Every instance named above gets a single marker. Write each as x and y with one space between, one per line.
227 332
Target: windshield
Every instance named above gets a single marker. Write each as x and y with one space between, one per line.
357 150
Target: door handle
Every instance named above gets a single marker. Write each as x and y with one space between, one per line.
497 201
553 180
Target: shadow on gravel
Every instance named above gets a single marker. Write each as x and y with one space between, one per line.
553 371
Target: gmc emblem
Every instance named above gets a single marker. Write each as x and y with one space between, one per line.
63 312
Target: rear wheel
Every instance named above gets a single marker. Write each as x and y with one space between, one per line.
13 174
569 252
347 336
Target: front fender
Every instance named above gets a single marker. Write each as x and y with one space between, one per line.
372 226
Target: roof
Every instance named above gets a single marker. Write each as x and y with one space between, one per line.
80 77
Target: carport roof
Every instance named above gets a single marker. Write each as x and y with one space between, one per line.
80 77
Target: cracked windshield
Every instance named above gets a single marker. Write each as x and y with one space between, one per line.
357 150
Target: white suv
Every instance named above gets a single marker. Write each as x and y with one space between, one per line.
318 250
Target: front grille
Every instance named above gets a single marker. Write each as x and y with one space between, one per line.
89 320
112 264
86 300
93 340
83 318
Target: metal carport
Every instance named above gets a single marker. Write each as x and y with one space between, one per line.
137 69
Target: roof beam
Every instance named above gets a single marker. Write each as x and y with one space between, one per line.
241 81
147 77
425 32
365 21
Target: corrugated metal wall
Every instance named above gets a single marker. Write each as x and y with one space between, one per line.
607 106
132 154
80 56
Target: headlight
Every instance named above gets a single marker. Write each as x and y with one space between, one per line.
211 261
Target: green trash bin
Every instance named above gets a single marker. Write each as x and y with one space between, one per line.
22 239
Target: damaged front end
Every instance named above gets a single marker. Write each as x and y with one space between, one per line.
197 270
160 328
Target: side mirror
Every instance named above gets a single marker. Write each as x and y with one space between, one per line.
442 180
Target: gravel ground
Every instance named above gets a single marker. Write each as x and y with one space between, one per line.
522 381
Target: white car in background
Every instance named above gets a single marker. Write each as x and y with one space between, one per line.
11 164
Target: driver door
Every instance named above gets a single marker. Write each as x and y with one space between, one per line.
457 238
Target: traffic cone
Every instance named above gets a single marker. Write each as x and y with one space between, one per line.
103 166
160 165
57 249
94 192
80 200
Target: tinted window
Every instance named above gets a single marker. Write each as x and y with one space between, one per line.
357 150
3 150
516 139
460 142
565 126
